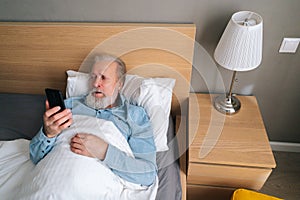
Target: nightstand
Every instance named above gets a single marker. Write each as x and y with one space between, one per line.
226 151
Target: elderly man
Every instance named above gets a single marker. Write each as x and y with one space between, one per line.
105 102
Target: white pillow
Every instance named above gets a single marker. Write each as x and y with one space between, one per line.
153 94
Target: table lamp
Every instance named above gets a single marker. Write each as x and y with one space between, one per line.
239 49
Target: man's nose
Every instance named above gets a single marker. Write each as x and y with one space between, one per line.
97 82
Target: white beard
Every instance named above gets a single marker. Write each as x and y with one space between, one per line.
101 103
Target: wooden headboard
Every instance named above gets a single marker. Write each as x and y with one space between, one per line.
36 55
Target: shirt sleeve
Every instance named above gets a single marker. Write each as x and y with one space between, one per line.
40 146
142 168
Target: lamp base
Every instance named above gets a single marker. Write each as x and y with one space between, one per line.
227 105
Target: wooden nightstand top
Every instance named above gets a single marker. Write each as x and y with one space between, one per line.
242 139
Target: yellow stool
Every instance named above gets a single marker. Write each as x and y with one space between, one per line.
243 194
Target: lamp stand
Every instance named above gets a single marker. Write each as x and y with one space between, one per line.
228 104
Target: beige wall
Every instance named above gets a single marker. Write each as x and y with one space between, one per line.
276 82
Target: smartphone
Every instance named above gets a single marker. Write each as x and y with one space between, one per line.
55 98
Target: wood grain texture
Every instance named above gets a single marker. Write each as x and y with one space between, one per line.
243 139
240 154
227 176
36 55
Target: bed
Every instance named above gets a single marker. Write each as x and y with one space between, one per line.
35 56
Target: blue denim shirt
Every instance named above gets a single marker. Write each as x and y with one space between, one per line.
133 123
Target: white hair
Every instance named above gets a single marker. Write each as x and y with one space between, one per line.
121 70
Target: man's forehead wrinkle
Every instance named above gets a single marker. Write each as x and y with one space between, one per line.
99 71
105 65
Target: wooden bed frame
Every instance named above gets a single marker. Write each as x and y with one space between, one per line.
35 55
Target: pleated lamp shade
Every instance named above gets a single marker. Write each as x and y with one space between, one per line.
240 47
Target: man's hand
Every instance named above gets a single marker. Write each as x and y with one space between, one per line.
89 145
55 123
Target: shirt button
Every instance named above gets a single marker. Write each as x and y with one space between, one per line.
48 141
43 151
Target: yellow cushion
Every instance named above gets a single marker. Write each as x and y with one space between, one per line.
243 194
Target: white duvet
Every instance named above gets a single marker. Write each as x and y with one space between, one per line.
65 175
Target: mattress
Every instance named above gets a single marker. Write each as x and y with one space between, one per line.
21 117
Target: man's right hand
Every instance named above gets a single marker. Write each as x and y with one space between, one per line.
55 123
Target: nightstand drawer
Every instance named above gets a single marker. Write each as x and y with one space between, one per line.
226 175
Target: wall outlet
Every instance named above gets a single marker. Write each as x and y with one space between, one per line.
289 45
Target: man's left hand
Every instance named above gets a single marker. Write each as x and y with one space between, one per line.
89 145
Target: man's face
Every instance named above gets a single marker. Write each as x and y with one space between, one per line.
104 85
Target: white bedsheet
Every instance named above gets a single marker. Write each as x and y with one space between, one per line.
65 175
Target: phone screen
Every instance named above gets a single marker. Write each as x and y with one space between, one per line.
55 98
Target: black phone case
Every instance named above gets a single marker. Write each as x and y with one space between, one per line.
55 98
